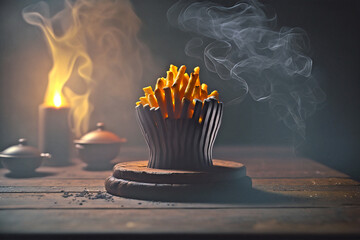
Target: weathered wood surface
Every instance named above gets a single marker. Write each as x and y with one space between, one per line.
139 172
291 195
251 220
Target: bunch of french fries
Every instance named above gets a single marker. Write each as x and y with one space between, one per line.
171 92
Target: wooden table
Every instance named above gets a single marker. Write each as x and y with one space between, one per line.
292 196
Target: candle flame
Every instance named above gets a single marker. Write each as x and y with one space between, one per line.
57 100
94 49
66 38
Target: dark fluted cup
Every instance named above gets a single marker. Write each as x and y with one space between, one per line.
181 143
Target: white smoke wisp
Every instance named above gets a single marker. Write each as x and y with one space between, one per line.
243 44
98 59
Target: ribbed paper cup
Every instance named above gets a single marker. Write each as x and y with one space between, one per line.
183 143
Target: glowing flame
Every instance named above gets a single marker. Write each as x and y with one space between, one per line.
82 35
67 43
57 100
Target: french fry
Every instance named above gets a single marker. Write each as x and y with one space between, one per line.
204 87
196 93
180 76
184 84
161 101
203 94
197 71
214 94
144 100
148 90
190 87
169 79
152 101
173 69
175 89
165 82
169 102
197 82
186 76
160 83
177 99
177 94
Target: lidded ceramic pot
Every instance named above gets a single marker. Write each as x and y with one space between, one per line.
22 159
97 148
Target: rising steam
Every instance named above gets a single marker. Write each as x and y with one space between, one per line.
92 43
242 44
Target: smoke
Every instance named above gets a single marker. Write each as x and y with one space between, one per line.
244 46
97 58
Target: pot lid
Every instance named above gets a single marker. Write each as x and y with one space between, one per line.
21 150
100 136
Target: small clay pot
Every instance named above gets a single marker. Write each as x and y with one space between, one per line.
98 148
21 159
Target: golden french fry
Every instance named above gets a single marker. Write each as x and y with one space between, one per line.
169 79
152 101
203 94
197 82
186 76
165 82
184 84
197 71
171 92
169 102
179 76
173 69
144 100
214 94
204 87
196 93
161 101
160 83
148 90
190 87
177 100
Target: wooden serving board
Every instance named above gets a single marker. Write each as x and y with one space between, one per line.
136 180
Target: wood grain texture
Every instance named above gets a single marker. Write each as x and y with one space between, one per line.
264 221
290 195
256 198
189 192
138 171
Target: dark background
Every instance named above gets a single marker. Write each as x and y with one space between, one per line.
333 132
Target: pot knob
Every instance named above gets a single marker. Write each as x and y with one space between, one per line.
100 126
22 141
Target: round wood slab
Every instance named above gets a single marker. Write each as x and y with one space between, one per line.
136 180
139 172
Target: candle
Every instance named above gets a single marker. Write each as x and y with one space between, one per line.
54 132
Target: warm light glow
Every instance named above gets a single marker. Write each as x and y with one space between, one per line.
94 48
71 61
57 100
